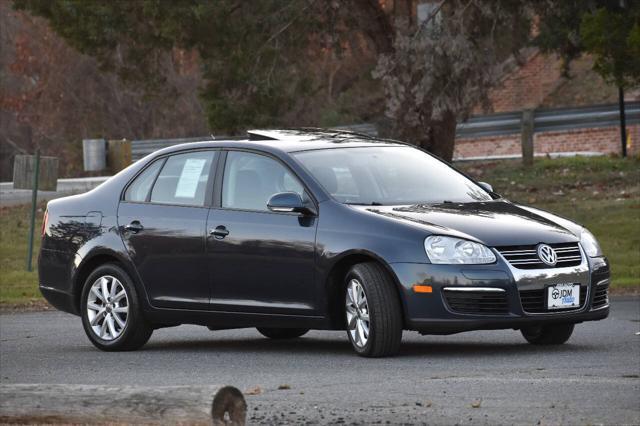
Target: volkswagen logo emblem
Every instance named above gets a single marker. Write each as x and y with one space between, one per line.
547 254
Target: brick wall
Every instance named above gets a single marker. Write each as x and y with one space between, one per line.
605 140
526 86
489 146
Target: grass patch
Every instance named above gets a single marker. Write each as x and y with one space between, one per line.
17 286
601 193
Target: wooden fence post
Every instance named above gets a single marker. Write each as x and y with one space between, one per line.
34 203
526 136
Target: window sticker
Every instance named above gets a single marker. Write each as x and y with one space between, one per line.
189 178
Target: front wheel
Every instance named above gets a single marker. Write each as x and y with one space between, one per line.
373 311
282 333
111 314
554 334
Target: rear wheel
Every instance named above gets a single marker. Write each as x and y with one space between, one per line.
372 311
282 333
554 334
110 310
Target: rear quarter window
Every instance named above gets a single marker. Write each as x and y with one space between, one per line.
138 190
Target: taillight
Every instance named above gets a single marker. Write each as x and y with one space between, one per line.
45 220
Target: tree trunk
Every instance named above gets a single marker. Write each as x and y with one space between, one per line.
441 136
436 136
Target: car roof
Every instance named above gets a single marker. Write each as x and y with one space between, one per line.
292 140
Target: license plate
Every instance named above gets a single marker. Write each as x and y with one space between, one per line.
562 296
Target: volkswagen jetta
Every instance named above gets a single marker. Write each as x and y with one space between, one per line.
305 229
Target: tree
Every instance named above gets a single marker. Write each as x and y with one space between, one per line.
436 71
256 56
609 30
252 54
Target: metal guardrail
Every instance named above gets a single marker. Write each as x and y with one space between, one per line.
548 120
545 120
141 148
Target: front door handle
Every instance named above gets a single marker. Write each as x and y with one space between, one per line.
134 227
220 232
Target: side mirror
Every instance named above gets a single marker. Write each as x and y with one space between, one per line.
288 202
486 186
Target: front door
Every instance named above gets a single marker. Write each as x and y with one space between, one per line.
260 261
162 221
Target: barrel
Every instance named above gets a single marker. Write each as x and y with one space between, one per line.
94 154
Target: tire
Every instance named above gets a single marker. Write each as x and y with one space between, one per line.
128 329
282 333
383 330
555 334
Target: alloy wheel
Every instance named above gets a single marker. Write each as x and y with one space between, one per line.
107 307
358 323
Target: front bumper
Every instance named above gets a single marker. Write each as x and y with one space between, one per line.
433 313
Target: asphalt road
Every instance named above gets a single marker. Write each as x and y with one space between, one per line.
491 377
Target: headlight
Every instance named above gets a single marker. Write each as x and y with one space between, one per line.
590 244
449 250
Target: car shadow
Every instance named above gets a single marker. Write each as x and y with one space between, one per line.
302 345
339 346
486 349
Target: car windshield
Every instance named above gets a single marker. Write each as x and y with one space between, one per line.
388 176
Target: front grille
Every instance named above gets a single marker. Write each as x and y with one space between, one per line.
534 301
477 302
526 257
601 295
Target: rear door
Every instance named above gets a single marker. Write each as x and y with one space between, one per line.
162 220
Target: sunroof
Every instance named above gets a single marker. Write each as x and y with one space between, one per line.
308 134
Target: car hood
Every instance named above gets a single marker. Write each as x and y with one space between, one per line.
495 223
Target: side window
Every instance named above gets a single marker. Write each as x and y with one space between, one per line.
184 179
251 179
139 188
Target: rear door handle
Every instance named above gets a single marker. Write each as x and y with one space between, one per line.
134 227
220 232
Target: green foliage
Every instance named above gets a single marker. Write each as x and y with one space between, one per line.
610 30
252 54
559 29
613 36
17 286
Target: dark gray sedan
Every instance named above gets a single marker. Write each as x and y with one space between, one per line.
308 229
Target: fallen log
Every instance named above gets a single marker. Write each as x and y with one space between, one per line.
89 404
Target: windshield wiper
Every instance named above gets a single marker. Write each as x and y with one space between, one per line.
373 203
